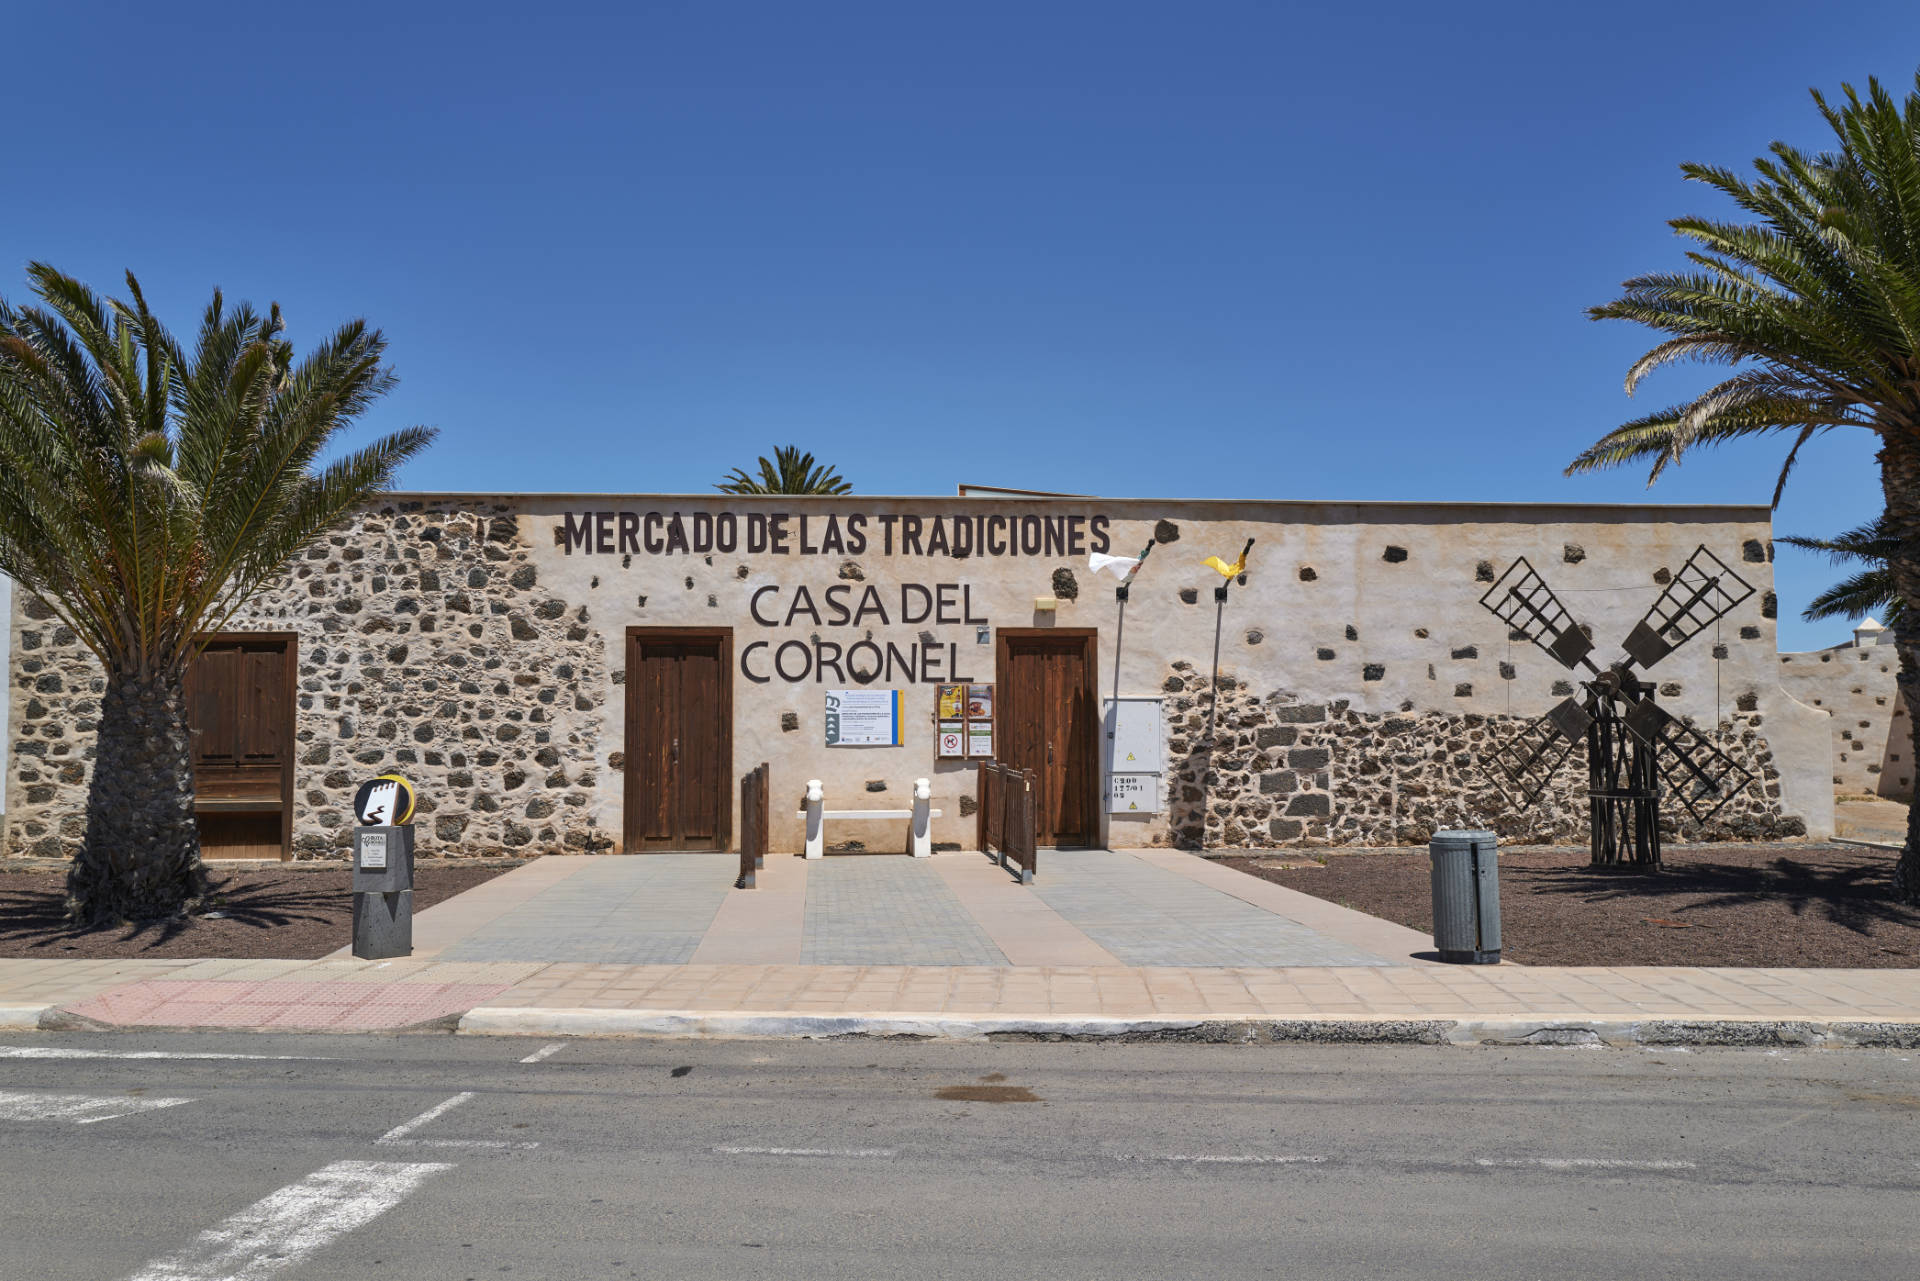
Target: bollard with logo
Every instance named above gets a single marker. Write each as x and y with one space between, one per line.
383 869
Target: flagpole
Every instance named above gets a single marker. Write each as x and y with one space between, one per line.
1219 620
1120 594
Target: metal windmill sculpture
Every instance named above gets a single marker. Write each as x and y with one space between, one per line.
1637 753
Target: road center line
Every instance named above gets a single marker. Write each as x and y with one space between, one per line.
859 1152
438 1110
81 1109
283 1229
1584 1163
545 1052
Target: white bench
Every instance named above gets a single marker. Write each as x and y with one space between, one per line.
920 818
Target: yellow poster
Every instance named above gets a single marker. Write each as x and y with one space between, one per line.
953 701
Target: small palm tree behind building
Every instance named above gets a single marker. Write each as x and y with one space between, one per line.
788 472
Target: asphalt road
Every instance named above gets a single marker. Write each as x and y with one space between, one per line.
423 1157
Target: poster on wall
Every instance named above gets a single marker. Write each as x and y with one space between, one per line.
952 700
980 738
863 718
953 739
980 702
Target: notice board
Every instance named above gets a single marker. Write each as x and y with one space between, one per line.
863 718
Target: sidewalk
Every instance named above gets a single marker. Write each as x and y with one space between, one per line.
1149 944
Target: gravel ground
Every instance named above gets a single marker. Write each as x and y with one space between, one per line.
1770 905
282 913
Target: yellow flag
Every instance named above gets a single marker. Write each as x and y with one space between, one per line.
1225 570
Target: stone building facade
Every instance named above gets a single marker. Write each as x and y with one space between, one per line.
481 645
1856 685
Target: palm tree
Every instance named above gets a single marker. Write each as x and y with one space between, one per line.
1815 306
145 496
1871 590
790 472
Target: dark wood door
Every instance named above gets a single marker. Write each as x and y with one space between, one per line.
1048 723
679 740
240 701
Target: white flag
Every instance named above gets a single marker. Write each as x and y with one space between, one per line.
1123 567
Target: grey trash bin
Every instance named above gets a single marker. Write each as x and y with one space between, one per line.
1466 897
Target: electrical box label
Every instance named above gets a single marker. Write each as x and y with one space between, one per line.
1133 793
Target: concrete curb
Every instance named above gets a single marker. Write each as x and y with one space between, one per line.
693 1024
24 1018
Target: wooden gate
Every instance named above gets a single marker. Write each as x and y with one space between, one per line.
1006 817
753 825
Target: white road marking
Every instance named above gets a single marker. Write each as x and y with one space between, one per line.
1223 1158
545 1052
81 1109
66 1052
438 1110
280 1231
497 1145
862 1152
397 1136
1586 1163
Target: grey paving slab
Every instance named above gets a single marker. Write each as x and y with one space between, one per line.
1146 915
650 909
875 910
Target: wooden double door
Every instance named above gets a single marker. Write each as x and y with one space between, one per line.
679 744
1049 722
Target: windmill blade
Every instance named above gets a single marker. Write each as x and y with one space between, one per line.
1694 770
1521 599
1523 765
1704 591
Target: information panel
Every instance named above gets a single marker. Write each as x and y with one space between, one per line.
863 718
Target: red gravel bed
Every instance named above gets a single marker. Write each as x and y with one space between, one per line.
1770 905
270 912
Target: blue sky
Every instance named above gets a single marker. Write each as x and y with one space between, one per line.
1219 250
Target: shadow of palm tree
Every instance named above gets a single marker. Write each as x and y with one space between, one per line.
36 918
1849 894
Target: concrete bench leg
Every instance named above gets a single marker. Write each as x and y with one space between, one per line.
816 820
922 830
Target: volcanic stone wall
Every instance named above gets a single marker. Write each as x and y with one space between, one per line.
427 645
1248 769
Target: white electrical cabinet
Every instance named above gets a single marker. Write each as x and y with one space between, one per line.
1134 755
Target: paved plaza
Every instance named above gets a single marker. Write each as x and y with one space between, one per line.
1089 907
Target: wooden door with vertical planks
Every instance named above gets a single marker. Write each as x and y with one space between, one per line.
240 711
679 768
1048 723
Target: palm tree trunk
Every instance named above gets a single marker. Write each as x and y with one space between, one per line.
1900 481
140 858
